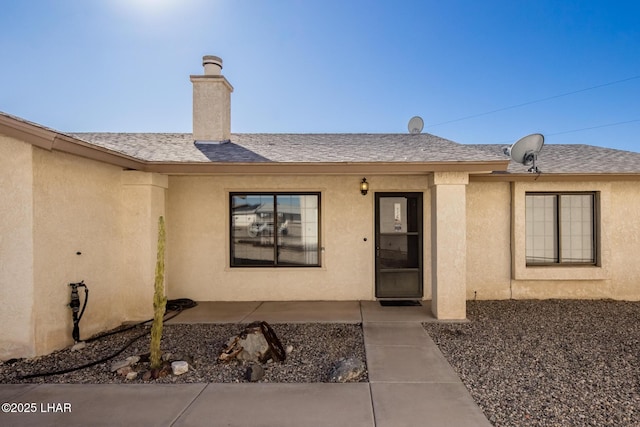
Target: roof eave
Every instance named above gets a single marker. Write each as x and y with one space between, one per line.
51 140
316 168
555 177
27 132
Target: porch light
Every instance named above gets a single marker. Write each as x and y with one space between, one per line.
364 187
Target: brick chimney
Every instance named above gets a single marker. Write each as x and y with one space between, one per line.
211 103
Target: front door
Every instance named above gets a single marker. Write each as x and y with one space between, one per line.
399 245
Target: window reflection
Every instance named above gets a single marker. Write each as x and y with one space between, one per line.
274 229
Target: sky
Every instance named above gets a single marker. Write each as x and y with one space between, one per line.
486 72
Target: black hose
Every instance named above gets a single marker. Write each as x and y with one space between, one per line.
88 365
177 306
180 304
75 307
86 298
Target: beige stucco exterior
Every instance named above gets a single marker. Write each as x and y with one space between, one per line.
67 217
198 243
449 244
143 202
76 209
16 249
488 240
496 231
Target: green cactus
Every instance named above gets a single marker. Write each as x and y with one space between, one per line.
159 301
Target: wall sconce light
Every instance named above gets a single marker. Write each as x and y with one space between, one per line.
364 187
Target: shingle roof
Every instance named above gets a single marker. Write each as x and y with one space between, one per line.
338 148
575 159
290 148
346 148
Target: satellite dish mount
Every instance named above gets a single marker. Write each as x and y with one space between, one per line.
526 150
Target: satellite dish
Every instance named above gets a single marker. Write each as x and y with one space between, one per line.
526 150
415 125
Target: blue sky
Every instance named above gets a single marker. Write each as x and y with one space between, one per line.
332 66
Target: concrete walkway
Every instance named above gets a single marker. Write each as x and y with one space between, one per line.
410 382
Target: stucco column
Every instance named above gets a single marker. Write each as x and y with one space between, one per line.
16 249
448 244
144 197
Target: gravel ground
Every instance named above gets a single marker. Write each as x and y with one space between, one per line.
548 363
316 349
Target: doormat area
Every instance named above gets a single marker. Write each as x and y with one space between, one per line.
400 303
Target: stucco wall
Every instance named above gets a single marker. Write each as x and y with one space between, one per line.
198 239
143 202
625 237
488 240
16 249
56 205
76 208
449 244
496 228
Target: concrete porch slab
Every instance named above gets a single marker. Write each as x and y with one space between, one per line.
372 311
425 404
216 312
105 405
283 405
396 333
307 312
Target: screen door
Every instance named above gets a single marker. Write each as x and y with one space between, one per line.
399 245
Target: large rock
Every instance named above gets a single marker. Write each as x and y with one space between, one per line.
254 347
349 369
257 343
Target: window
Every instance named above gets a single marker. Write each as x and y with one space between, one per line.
561 228
274 230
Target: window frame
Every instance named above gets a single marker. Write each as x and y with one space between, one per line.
595 228
276 237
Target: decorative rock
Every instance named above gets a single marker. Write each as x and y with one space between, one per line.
289 349
179 367
182 356
119 364
254 373
254 346
131 360
347 370
132 375
124 371
320 345
79 346
251 345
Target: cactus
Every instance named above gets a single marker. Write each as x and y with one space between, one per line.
159 301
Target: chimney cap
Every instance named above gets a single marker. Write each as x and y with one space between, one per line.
212 65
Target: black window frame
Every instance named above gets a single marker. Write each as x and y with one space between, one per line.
595 232
276 236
